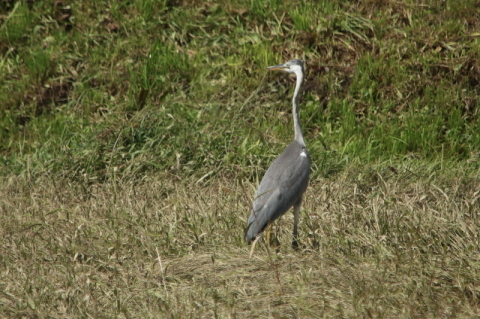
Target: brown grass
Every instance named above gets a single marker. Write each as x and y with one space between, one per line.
377 242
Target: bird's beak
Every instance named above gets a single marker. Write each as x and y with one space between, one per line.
276 67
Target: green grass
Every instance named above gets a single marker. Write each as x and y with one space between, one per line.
133 135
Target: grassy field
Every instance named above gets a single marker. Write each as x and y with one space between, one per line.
133 135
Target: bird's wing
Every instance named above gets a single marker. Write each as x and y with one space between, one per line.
283 184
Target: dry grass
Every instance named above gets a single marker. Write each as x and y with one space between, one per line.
132 133
377 242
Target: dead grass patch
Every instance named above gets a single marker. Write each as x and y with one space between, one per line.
377 242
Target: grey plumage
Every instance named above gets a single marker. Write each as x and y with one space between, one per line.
287 178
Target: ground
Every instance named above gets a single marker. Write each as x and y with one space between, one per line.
133 136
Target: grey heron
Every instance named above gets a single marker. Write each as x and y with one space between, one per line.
286 179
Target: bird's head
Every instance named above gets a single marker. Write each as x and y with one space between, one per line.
293 66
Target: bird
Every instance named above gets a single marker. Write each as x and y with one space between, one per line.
286 180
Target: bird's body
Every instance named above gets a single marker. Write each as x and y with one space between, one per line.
277 193
287 178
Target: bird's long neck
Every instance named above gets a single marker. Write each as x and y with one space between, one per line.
296 120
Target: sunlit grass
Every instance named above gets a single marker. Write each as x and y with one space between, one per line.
381 86
387 239
133 135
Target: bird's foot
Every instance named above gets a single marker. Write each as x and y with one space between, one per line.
295 244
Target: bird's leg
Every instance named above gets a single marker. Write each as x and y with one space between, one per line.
296 215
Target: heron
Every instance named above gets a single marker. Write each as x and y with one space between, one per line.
286 179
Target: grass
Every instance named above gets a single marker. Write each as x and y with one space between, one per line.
133 135
376 242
